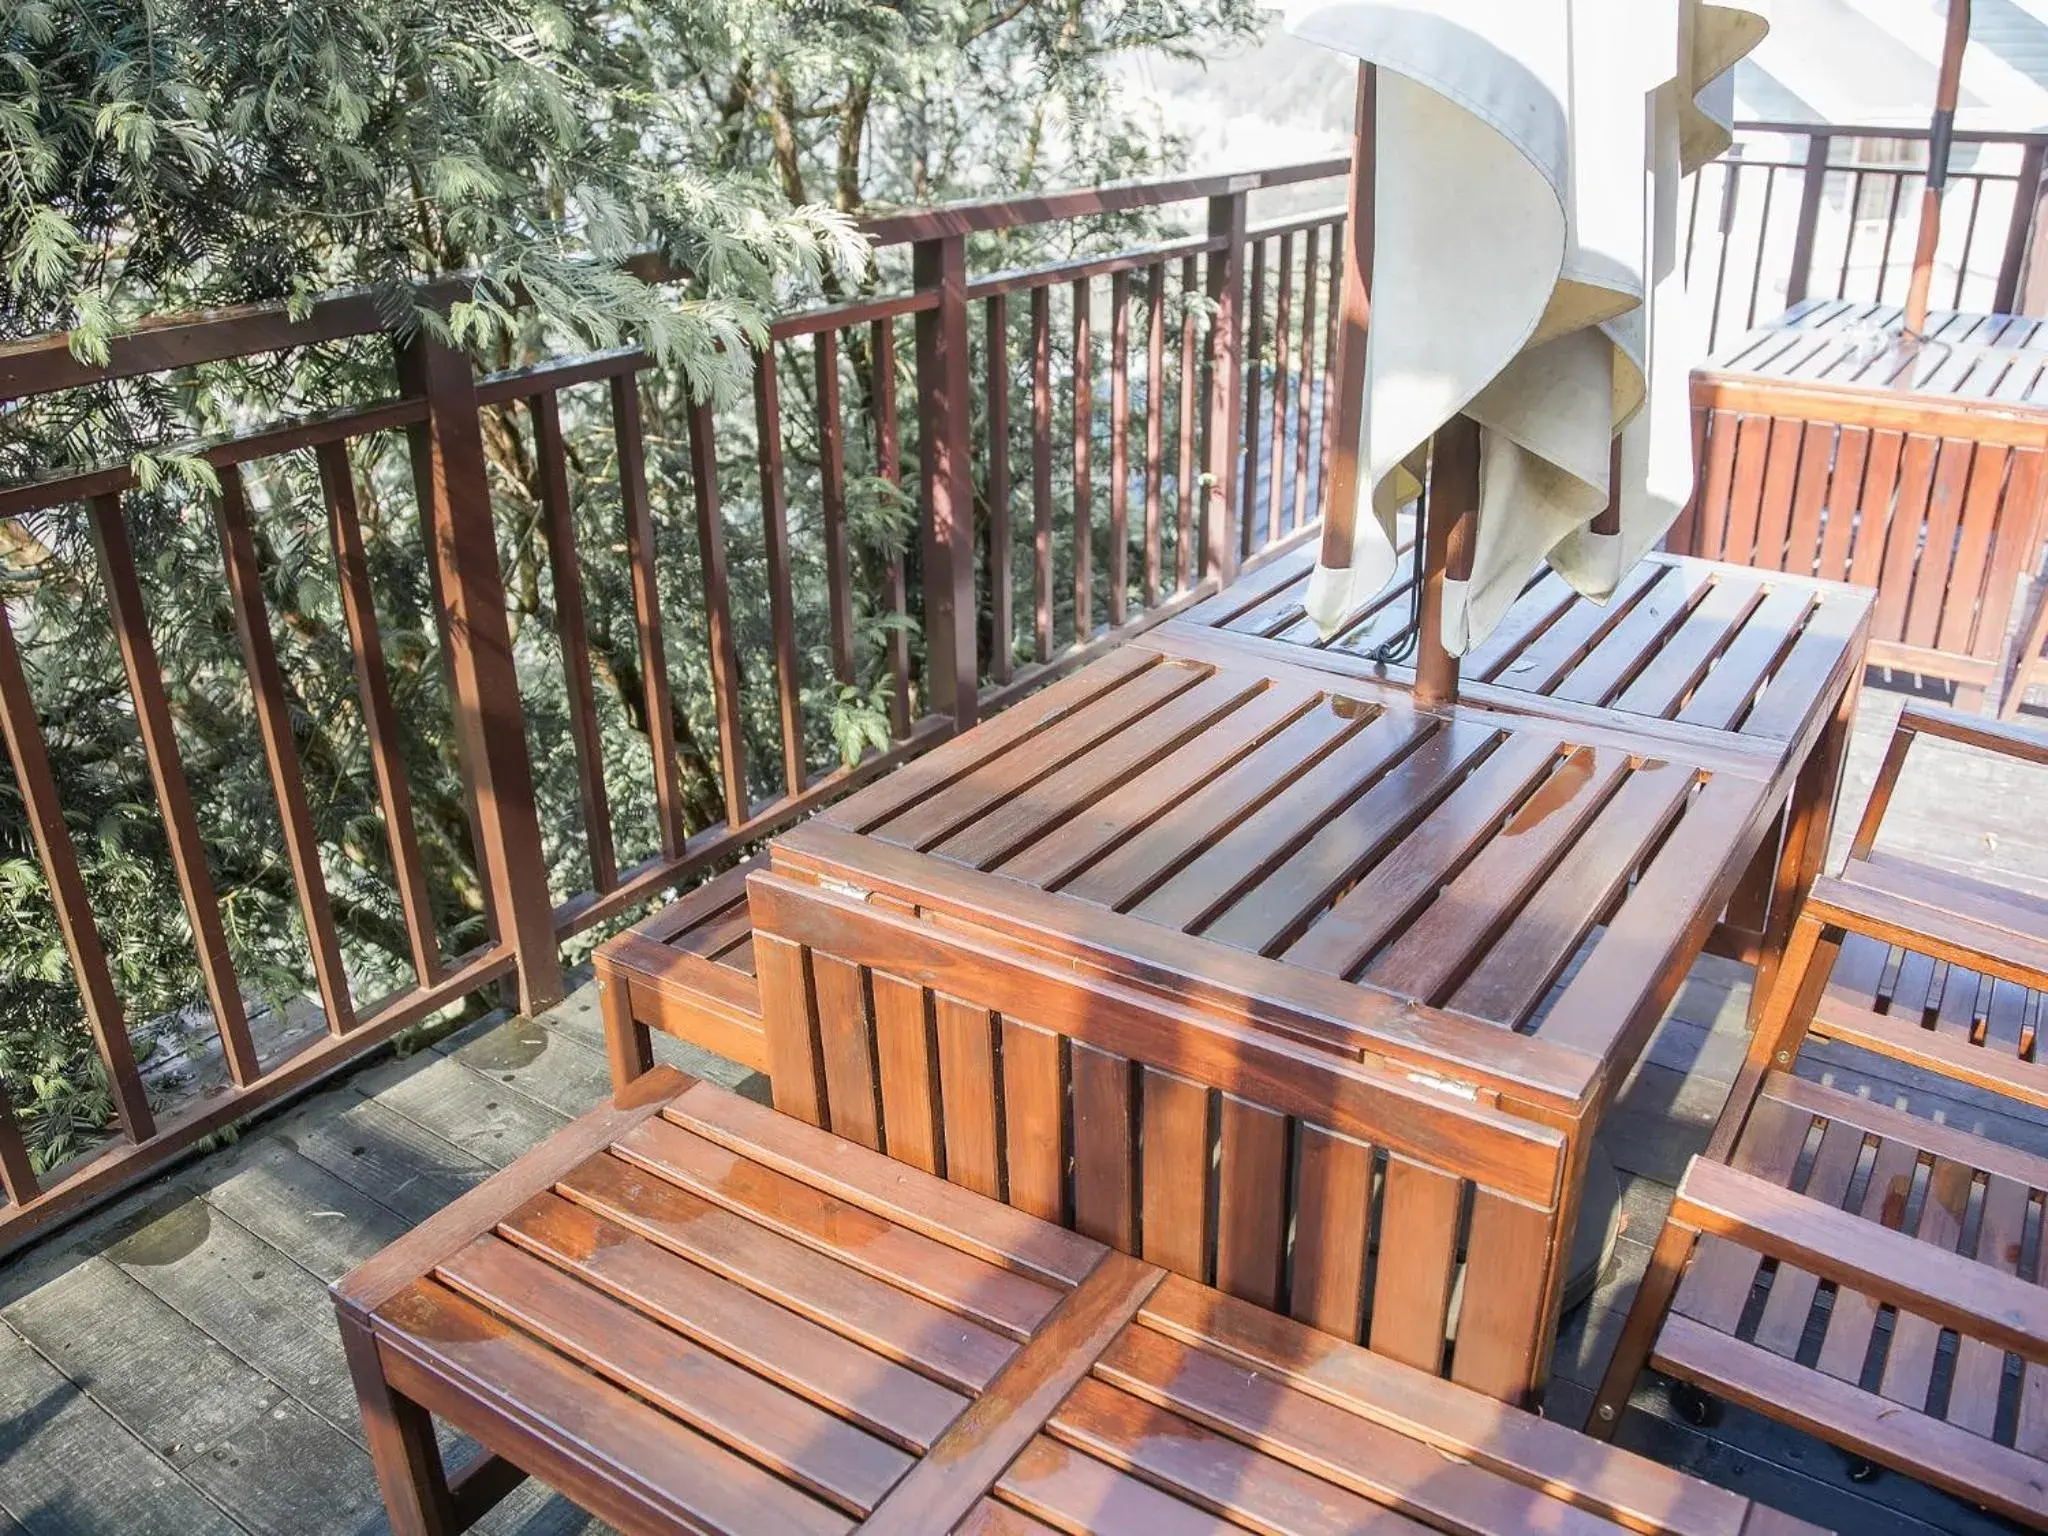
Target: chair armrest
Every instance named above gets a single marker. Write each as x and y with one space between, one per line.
2006 737
1975 1299
2019 742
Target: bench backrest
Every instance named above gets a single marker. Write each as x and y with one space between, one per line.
1367 1203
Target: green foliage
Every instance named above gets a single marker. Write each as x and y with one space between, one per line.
165 155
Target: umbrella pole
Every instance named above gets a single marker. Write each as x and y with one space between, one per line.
1946 91
1449 510
1340 502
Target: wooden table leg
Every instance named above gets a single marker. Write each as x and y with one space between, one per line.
1809 823
627 1043
400 1435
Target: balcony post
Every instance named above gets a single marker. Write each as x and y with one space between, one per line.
1803 233
944 405
1223 383
490 722
2026 200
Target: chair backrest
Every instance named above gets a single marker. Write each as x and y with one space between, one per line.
1368 1203
1930 501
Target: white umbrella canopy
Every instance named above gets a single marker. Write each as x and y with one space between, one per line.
1524 173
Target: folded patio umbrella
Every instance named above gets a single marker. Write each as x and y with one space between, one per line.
1526 272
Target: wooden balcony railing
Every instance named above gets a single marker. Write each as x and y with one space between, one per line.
1795 210
1064 495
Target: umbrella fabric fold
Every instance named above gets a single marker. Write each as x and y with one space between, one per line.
1527 160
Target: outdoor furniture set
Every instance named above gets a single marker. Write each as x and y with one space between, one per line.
1185 1081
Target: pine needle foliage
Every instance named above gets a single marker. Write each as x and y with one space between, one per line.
160 156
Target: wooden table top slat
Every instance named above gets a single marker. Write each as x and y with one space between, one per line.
1235 856
1441 942
1380 902
1965 356
998 778
1291 894
1237 785
579 1330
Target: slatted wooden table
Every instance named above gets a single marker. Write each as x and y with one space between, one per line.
1492 905
1919 473
692 1314
1764 658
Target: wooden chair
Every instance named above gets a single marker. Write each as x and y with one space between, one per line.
2030 662
1820 1254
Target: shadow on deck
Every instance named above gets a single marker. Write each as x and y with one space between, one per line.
171 1365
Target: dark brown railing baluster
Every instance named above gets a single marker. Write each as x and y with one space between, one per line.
1084 444
775 546
944 454
1225 380
1810 188
1001 622
1306 389
174 799
1276 450
572 631
373 690
1155 421
1041 472
1891 228
889 465
832 488
1335 307
103 1016
17 1173
1969 240
476 641
1255 373
281 749
2026 198
1763 231
661 721
1184 563
1119 444
725 656
1849 239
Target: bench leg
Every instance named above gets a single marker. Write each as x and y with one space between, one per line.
400 1434
627 1043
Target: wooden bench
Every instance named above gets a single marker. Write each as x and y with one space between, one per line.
688 971
689 1313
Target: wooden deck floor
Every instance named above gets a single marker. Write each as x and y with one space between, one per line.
171 1364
